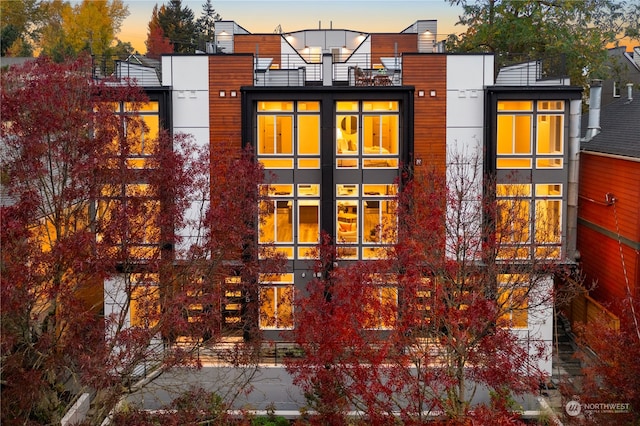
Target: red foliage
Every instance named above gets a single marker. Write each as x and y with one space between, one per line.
420 348
80 218
613 374
157 43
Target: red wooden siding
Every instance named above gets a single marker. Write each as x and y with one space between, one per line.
600 175
384 45
269 45
428 72
601 259
227 73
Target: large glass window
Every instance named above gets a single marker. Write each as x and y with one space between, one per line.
276 301
276 217
518 122
379 218
513 300
308 234
550 135
137 211
548 221
275 134
288 134
522 215
367 134
141 126
287 219
145 300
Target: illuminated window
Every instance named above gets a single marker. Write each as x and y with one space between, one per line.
379 221
515 106
368 135
278 211
135 214
528 137
308 135
145 300
548 223
513 300
276 217
276 301
308 219
141 126
521 215
275 134
513 221
290 139
550 131
347 214
514 135
380 307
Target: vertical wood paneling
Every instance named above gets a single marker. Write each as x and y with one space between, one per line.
262 45
384 45
228 73
428 72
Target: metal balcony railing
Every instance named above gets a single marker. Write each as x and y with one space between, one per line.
356 69
519 70
144 71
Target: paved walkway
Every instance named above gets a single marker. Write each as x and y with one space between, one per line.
271 386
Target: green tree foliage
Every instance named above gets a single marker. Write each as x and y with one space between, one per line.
520 30
177 23
20 24
59 29
93 25
205 24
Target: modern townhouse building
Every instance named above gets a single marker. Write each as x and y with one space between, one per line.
336 115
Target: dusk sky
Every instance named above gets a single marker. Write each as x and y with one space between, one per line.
263 16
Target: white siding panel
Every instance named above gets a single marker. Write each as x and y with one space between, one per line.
200 135
469 71
190 108
186 72
465 107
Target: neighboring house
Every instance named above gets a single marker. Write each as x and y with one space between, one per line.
608 214
624 68
145 71
335 114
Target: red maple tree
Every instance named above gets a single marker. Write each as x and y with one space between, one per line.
416 334
157 42
116 254
611 371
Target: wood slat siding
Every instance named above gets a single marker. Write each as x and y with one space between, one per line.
270 45
600 253
384 45
584 309
227 72
602 264
428 72
601 175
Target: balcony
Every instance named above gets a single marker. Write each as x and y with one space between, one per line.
356 70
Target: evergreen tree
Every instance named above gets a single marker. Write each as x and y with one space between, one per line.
206 23
177 23
157 43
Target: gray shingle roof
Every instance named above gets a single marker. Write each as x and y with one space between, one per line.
620 128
